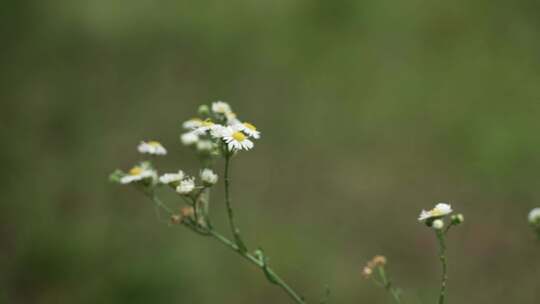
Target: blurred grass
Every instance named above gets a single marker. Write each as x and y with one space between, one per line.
370 111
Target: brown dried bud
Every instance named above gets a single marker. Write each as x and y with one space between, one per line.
187 212
376 261
176 219
379 260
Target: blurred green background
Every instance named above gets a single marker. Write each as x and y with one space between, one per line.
370 111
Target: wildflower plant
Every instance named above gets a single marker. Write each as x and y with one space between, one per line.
435 219
217 134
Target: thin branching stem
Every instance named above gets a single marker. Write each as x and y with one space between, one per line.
233 246
442 258
230 213
159 203
387 284
254 260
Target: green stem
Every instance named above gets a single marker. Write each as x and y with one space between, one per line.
234 229
388 285
243 253
448 228
442 257
252 259
159 203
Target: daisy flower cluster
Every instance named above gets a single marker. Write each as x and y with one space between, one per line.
143 174
147 179
218 130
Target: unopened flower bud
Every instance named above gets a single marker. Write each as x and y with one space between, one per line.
437 224
366 272
457 219
204 110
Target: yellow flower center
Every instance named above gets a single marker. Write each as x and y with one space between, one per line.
436 212
135 171
239 136
250 126
154 143
207 123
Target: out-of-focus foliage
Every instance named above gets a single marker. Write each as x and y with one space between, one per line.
370 111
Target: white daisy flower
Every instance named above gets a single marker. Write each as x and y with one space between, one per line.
205 126
151 147
440 210
221 107
251 130
236 140
189 138
218 131
186 186
534 216
438 224
208 177
169 178
231 118
205 146
138 173
193 123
